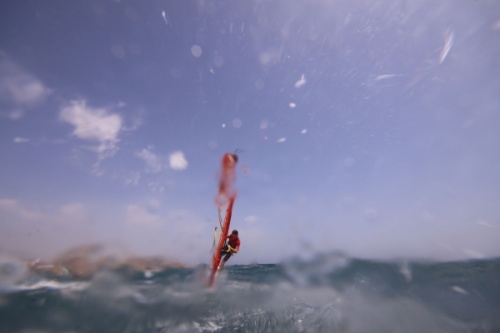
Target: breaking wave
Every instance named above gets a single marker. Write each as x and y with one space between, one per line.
328 293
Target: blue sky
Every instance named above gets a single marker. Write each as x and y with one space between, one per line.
367 127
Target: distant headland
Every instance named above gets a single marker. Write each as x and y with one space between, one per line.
85 260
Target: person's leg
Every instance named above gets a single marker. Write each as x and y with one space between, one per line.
223 252
224 260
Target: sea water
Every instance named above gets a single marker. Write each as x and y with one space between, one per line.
327 293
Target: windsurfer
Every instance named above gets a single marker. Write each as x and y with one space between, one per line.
231 247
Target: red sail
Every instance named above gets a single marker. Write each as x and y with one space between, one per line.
225 198
224 232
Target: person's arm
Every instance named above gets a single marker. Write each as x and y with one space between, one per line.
233 249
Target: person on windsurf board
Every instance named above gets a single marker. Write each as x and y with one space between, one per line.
226 195
231 247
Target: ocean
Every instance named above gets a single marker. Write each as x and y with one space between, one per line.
326 293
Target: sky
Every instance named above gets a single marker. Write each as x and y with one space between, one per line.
365 127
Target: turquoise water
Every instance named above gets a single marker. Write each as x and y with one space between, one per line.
328 293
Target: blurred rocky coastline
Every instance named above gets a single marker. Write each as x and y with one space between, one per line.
84 261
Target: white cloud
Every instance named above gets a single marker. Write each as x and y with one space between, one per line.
94 124
14 207
73 213
7 203
300 82
152 160
154 203
19 88
21 140
16 114
485 223
43 231
251 219
149 229
137 216
156 187
178 161
133 179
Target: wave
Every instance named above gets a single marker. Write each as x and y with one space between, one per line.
328 293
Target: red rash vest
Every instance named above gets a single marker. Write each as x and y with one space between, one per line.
234 241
